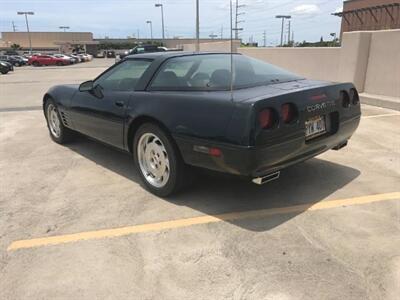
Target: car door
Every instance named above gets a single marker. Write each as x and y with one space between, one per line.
100 113
44 60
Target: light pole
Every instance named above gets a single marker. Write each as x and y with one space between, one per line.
197 26
26 13
333 35
283 17
64 28
162 18
151 28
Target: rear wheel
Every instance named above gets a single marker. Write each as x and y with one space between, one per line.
158 161
4 72
36 64
58 132
60 63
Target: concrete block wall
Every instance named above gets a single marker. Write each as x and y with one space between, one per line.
313 63
369 59
217 46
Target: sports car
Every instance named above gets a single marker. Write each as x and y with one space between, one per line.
220 111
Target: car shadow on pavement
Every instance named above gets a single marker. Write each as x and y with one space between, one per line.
212 193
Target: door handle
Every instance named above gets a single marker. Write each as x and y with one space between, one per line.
119 103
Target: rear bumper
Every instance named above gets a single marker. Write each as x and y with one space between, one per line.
259 161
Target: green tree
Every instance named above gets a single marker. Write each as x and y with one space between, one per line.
15 47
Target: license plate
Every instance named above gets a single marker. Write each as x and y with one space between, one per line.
315 127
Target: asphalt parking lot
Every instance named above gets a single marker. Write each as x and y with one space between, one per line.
76 224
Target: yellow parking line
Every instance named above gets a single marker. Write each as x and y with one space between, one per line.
115 232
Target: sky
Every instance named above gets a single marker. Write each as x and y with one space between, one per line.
311 19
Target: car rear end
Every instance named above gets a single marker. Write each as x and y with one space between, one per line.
296 126
283 125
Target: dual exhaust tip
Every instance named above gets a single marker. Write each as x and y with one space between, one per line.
267 178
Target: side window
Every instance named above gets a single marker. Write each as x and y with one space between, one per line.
194 73
123 77
172 74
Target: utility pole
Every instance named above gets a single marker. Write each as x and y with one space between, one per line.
283 17
292 38
26 13
197 26
138 34
237 21
222 32
14 27
265 38
289 33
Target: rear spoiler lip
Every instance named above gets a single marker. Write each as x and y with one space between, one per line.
272 92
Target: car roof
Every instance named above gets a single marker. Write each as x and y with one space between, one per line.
169 54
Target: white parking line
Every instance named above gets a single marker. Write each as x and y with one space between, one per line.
379 116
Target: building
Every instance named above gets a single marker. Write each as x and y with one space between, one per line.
68 41
51 41
362 15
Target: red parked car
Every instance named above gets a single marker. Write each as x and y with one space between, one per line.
47 60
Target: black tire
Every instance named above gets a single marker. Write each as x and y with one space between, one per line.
60 64
177 168
36 64
65 134
4 72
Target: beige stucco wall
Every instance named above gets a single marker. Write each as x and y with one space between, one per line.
217 46
369 59
314 63
353 60
383 72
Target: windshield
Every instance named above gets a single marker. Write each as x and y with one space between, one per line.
213 72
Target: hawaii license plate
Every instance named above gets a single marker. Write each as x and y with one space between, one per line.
315 126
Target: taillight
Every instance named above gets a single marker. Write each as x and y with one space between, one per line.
345 99
354 96
215 152
266 118
288 112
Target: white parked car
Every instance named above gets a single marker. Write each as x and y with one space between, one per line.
65 57
88 57
77 57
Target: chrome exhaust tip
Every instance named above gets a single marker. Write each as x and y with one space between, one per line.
267 178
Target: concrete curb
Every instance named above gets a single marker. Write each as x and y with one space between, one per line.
381 101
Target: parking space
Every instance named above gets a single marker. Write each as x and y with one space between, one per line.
76 224
35 81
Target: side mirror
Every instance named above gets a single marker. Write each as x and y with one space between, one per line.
86 86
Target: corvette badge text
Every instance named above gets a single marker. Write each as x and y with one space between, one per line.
320 106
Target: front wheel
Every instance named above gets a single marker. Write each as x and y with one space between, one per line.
58 132
158 160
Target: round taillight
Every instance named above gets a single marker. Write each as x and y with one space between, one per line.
345 99
288 112
354 96
266 118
